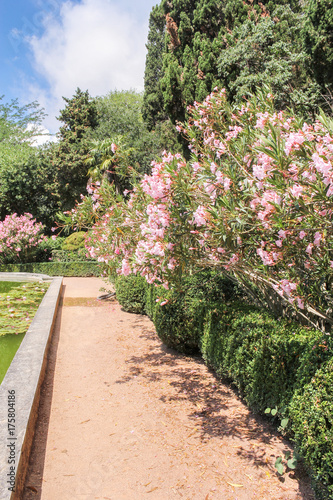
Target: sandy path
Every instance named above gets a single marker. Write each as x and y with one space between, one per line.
123 417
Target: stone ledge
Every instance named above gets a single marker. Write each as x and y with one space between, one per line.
25 376
24 277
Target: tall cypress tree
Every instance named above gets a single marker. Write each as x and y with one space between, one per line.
318 41
153 109
69 155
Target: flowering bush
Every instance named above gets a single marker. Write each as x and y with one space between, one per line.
253 201
19 237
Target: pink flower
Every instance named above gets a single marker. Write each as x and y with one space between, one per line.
226 183
317 239
300 303
309 248
283 234
296 190
294 141
321 166
200 216
125 268
213 167
302 234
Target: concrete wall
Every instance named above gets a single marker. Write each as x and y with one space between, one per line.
20 392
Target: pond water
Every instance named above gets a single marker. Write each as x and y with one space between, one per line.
8 347
8 343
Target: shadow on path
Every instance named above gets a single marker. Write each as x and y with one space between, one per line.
216 410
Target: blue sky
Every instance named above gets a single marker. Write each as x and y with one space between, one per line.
48 48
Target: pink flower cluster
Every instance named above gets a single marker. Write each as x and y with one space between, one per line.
18 236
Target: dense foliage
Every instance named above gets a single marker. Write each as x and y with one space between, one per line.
120 121
194 46
25 179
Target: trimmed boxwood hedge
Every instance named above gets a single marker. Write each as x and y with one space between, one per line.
266 358
79 269
180 322
131 291
311 417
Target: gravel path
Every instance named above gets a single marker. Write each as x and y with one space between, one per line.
122 417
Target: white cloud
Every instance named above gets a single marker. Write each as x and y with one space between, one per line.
41 135
93 45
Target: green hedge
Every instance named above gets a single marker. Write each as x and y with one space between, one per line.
276 363
266 358
131 291
311 416
180 322
83 268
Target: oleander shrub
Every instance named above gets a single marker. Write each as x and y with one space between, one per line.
20 236
131 292
311 419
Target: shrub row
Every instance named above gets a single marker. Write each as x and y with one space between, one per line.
273 362
81 269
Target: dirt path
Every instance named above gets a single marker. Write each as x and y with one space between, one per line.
122 417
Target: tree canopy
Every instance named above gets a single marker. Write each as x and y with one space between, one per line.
194 46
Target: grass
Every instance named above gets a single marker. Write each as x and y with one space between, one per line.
18 305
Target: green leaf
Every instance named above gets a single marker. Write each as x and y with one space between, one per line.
274 411
279 466
292 463
284 423
267 411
